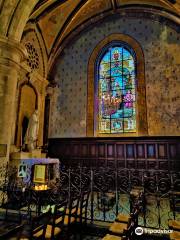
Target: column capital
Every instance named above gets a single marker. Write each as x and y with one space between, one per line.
11 50
52 90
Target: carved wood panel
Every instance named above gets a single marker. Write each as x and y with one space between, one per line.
133 153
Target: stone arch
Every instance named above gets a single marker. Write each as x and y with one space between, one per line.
25 108
14 17
22 12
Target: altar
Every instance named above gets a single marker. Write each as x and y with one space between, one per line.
26 162
49 162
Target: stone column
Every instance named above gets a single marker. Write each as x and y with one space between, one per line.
11 55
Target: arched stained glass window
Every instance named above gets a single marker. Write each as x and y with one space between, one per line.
117 90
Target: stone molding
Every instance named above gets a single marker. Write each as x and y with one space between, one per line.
12 50
34 78
39 84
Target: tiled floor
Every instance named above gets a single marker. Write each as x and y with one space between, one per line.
156 215
153 211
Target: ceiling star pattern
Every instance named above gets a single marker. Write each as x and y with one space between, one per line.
13 10
64 17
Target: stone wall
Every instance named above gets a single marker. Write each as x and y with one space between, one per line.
160 44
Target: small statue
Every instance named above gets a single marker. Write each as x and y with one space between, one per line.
31 135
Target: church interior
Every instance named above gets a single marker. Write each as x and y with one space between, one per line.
90 119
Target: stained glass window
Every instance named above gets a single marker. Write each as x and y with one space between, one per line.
116 91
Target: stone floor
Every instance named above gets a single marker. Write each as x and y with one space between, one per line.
153 212
88 233
157 214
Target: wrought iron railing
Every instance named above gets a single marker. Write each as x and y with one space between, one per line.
109 192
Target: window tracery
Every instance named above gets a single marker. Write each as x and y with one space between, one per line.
33 57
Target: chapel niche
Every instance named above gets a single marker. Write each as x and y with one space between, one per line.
27 105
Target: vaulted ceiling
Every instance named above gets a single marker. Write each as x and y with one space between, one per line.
62 17
58 19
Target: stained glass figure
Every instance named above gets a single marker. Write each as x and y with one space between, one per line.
116 91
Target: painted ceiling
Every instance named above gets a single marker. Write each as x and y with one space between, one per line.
64 16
